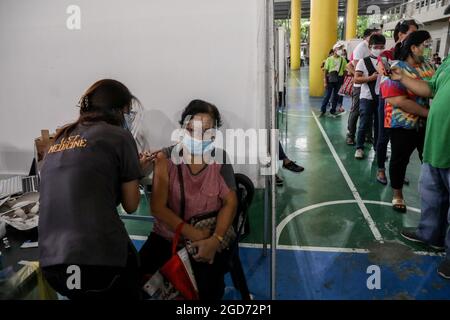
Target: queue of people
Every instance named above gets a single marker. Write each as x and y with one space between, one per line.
391 97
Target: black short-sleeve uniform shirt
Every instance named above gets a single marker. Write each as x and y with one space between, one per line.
80 189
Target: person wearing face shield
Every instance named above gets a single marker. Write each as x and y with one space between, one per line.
133 122
334 70
193 168
405 112
434 184
92 168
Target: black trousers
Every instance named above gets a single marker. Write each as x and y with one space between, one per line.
403 144
99 282
383 136
281 154
156 251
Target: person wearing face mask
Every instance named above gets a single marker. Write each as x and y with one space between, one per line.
92 168
192 168
406 112
340 109
360 52
402 30
434 184
367 76
334 69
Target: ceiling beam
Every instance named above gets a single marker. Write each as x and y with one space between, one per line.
282 7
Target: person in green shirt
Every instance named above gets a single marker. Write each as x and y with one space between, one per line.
434 184
334 69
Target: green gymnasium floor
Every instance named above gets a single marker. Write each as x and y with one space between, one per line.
334 219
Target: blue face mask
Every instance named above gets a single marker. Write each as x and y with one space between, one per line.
197 147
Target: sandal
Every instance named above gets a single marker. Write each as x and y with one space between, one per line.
382 180
399 205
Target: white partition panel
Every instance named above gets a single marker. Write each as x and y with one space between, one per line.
166 52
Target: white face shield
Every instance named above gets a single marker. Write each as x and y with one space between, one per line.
135 120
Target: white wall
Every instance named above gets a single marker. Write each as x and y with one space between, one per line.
166 52
439 30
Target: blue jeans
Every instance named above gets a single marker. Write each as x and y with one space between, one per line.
434 188
368 110
383 136
332 92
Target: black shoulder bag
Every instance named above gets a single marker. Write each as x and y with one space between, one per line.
371 70
333 76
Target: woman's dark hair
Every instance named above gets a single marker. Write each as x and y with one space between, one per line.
199 106
415 38
403 27
368 32
377 39
103 101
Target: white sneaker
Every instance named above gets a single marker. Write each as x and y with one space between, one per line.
359 154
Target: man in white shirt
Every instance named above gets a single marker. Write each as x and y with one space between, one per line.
367 76
360 52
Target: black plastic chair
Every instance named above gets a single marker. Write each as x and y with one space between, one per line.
245 192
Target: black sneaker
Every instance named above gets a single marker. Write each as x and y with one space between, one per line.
444 269
410 234
350 141
292 166
279 182
322 114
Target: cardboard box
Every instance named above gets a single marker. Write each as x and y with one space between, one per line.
43 143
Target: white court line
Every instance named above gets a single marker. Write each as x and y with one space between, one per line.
330 249
390 205
305 248
294 214
298 81
376 233
296 115
140 238
432 254
323 249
